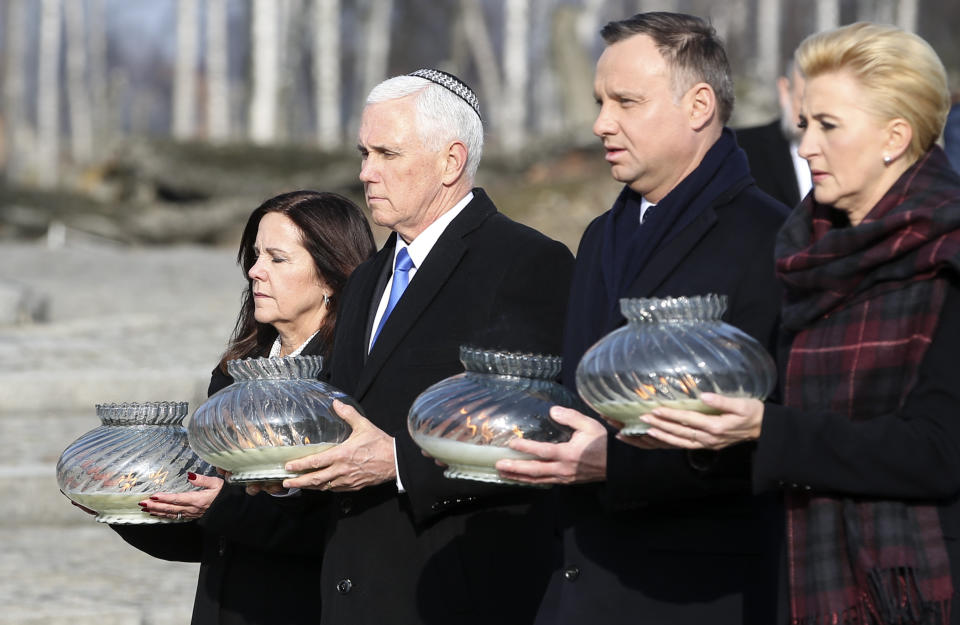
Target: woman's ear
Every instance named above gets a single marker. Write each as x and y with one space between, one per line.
899 136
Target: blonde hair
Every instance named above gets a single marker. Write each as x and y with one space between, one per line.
900 72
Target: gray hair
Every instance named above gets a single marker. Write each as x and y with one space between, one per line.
441 115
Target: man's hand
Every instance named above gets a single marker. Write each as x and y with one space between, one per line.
365 459
581 459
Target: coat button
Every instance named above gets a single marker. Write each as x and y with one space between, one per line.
346 505
571 573
344 586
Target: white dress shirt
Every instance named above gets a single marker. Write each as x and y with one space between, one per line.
418 249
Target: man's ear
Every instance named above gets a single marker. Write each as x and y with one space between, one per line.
701 103
455 163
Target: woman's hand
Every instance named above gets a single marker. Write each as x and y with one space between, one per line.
189 505
739 420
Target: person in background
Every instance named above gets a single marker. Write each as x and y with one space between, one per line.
951 133
772 148
257 565
404 544
866 443
663 536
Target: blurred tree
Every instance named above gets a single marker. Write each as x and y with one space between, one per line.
17 135
907 14
78 95
48 96
768 41
828 14
265 51
481 48
326 72
185 71
217 76
373 54
97 72
516 37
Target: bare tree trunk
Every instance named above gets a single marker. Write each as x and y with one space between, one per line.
78 97
478 40
184 78
218 78
16 131
880 11
291 31
48 96
828 14
548 115
326 72
574 66
768 40
262 121
907 15
378 43
645 6
728 21
588 24
372 58
97 37
513 125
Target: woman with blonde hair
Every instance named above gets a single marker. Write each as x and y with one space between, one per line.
867 442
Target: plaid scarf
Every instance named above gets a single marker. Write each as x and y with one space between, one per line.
863 304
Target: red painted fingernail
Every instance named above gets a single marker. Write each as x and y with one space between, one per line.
154 498
142 505
191 475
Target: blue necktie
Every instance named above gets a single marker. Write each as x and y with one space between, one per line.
401 277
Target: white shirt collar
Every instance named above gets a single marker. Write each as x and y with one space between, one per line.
801 169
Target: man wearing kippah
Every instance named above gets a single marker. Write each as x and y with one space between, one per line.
402 543
658 536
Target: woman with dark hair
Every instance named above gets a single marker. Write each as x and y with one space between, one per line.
297 251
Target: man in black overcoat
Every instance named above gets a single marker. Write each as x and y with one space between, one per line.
402 543
657 536
772 148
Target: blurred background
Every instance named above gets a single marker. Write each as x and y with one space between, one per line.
137 135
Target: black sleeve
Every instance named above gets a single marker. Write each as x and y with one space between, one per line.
278 524
180 542
911 454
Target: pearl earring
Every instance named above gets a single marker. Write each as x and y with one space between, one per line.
886 159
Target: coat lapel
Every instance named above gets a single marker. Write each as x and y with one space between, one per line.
670 254
426 284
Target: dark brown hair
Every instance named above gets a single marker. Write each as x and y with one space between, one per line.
691 48
334 232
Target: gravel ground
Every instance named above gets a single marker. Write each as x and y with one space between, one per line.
124 324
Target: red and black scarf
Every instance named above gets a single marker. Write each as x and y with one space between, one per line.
863 304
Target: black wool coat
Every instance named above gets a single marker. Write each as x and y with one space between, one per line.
768 152
675 538
445 550
257 554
